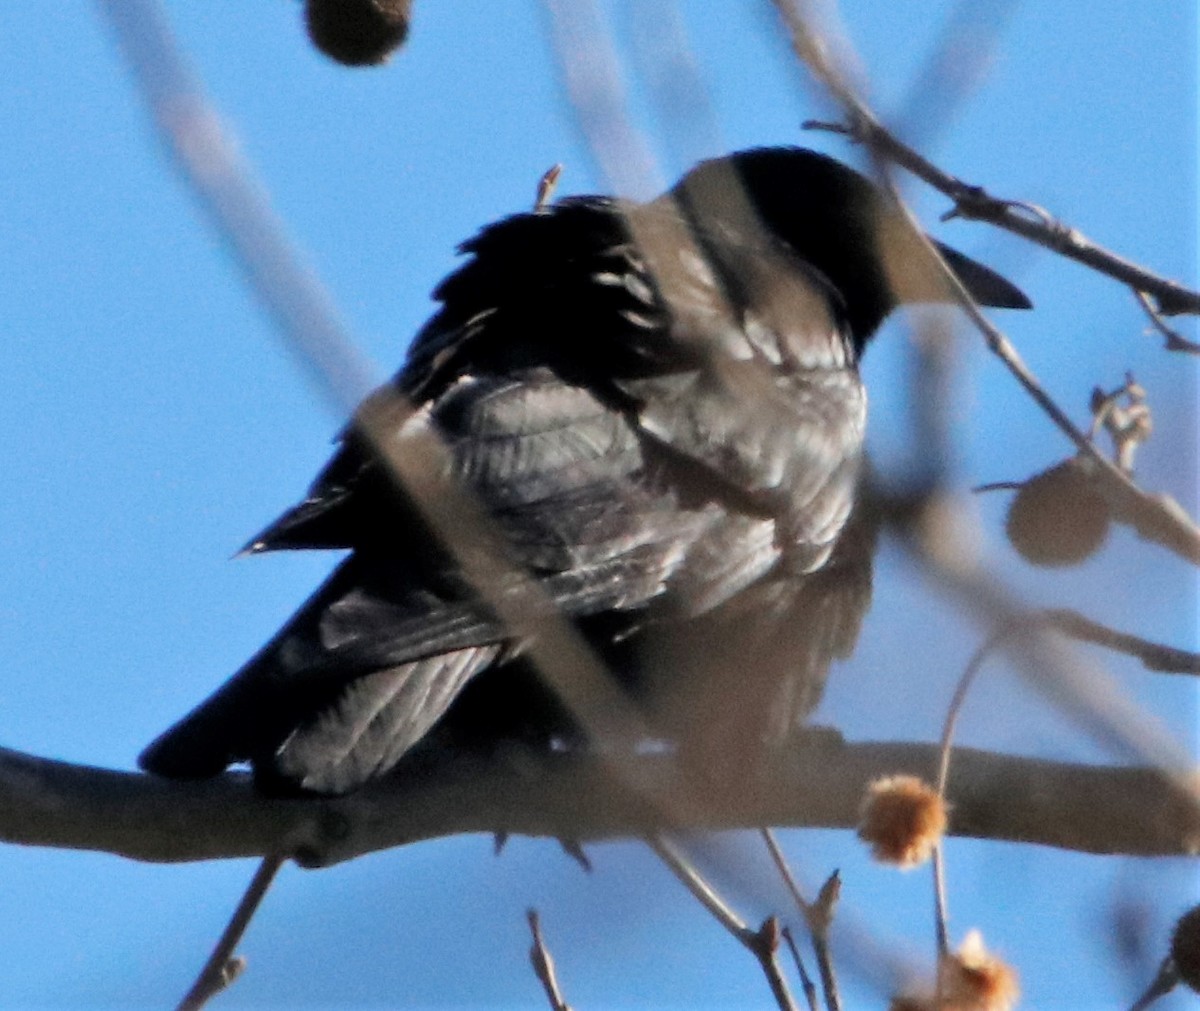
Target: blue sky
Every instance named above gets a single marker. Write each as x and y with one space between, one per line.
153 422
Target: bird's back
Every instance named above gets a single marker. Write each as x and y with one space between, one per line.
669 449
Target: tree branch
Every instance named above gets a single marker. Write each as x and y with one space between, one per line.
1154 656
1094 809
1024 219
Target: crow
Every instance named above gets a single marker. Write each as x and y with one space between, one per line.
658 407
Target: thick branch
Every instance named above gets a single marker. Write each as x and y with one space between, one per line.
1094 809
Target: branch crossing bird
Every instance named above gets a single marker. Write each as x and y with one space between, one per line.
659 408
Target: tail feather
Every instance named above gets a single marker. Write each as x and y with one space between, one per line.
215 735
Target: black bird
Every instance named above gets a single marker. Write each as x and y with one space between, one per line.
659 407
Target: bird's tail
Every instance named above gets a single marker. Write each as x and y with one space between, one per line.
209 739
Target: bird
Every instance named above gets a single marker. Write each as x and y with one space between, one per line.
657 406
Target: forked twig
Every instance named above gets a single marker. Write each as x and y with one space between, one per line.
1021 218
763 943
1173 339
818 917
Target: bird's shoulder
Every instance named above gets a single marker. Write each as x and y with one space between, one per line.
565 287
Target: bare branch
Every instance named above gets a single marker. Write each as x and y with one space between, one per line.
1153 655
1156 518
1030 222
1136 811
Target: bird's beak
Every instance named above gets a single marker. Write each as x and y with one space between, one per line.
985 285
913 278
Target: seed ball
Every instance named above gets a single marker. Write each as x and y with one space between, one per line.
1185 947
1058 518
358 33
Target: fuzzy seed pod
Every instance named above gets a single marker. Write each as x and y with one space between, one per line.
973 979
358 33
902 820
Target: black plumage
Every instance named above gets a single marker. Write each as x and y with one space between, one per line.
659 407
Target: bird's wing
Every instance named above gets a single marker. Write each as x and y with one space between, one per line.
369 665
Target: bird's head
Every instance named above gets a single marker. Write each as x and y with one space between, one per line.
839 223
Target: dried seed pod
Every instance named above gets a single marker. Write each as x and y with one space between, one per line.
1185 947
1058 517
973 979
358 33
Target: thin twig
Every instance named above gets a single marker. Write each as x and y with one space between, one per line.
1154 656
818 917
806 983
763 943
1091 697
701 890
593 80
821 921
966 679
785 872
1155 518
673 80
222 967
940 904
1173 339
1035 224
956 65
543 965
